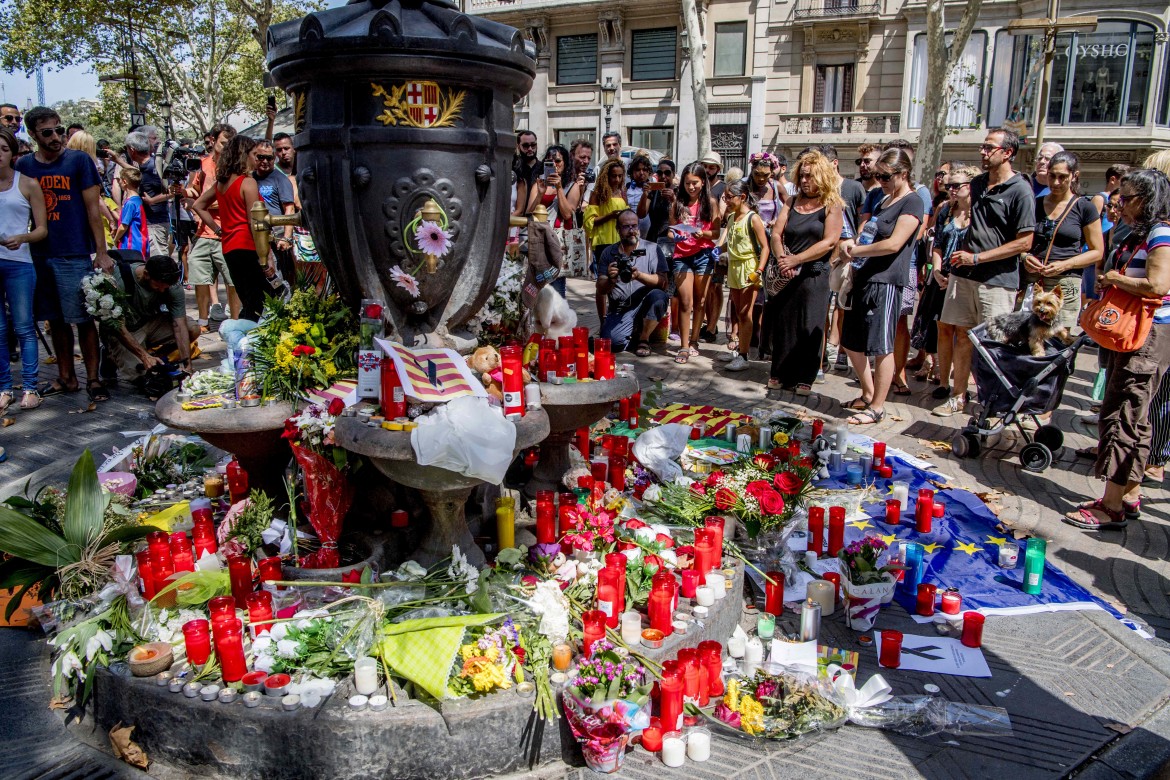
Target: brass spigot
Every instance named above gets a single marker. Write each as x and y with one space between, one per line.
261 224
540 214
430 212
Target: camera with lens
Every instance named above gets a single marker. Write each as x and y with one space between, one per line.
179 161
626 265
590 175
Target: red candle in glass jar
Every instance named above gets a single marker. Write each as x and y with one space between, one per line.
660 609
886 472
181 552
511 366
924 511
816 529
393 401
879 453
221 608
565 514
635 409
836 530
690 581
705 552
229 649
259 610
670 700
972 629
624 409
549 360
893 511
581 343
715 524
834 578
237 480
891 651
617 471
818 427
197 640
162 565
613 581
774 593
594 629
939 509
927 594
598 491
615 560
240 572
711 655
566 356
271 570
546 529
652 736
204 539
952 602
688 660
599 469
145 575
201 514
583 442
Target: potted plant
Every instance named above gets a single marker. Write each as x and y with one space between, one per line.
866 584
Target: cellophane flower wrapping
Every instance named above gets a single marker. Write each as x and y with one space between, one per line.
609 701
329 494
777 704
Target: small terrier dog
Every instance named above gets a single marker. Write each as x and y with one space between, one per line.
1029 330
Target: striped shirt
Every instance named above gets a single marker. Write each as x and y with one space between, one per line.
1159 236
133 217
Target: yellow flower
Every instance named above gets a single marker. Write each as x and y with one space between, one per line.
330 369
731 698
780 437
751 715
298 327
284 357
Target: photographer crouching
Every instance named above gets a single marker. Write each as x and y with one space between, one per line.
155 314
633 282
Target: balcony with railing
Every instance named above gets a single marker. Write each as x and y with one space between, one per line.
854 123
497 6
835 9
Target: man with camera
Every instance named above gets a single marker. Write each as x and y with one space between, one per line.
633 282
155 194
155 314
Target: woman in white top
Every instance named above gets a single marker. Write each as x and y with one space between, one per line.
21 202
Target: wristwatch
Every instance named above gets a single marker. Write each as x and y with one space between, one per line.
974 258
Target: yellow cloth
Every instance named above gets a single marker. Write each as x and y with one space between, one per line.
606 233
741 253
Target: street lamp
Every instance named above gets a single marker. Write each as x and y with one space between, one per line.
608 93
164 110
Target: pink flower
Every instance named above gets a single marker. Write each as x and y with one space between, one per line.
405 281
432 239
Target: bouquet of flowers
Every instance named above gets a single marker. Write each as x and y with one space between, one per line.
607 702
307 343
859 561
591 529
500 316
324 466
104 300
490 659
778 705
866 585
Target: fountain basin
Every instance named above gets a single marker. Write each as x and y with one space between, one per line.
252 434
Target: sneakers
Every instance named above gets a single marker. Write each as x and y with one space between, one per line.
953 405
674 338
726 357
820 380
738 363
842 362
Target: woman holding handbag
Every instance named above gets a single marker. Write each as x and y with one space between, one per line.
803 239
1131 323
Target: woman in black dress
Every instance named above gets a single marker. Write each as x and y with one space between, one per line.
803 237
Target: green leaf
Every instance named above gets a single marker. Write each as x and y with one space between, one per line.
23 537
85 503
753 527
17 572
127 533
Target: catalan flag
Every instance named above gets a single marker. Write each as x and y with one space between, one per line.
432 375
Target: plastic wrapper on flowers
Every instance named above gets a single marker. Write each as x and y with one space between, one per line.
329 494
778 704
609 701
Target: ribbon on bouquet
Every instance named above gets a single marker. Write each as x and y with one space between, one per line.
279 531
875 691
124 582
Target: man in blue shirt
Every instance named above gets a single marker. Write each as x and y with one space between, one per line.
633 273
276 190
76 246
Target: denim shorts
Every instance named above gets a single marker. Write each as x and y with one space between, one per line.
58 296
702 263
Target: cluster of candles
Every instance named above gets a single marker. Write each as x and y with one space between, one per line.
696 674
609 465
568 357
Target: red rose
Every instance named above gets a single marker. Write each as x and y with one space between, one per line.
336 406
713 478
765 461
755 488
651 563
634 524
724 498
698 488
373 311
780 454
685 551
352 576
528 580
665 540
788 483
806 462
303 349
771 503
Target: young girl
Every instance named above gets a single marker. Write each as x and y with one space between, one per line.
693 257
744 234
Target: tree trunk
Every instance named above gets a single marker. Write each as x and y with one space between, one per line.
695 48
941 61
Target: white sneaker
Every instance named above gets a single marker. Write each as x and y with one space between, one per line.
953 405
830 354
726 357
820 377
738 363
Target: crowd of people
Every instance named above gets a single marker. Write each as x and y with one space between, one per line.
159 218
881 275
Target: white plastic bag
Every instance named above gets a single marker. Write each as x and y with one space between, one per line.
658 448
466 436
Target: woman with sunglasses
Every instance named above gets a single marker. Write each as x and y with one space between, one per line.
606 202
881 266
694 259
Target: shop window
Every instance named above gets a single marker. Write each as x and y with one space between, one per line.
966 83
566 138
730 48
577 59
652 54
658 139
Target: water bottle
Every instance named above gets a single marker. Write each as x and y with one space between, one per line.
866 236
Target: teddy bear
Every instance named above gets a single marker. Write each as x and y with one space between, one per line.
485 362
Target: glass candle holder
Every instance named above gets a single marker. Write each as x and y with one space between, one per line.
774 593
766 626
816 529
594 629
260 611
197 639
240 573
891 650
972 629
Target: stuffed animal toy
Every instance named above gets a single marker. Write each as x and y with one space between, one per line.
485 362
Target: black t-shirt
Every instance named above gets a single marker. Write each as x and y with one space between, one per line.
893 268
998 215
1068 240
152 185
659 213
854 194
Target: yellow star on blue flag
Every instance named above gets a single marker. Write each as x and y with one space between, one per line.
890 539
996 540
860 525
930 548
968 547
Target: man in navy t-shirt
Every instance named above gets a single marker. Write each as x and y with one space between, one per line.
276 190
76 246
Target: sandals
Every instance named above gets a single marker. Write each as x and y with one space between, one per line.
96 391
774 384
1083 517
643 349
902 390
867 416
31 400
856 405
6 399
682 356
733 344
56 388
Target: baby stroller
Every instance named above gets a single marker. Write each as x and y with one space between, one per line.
1012 384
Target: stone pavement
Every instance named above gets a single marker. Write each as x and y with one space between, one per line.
1073 682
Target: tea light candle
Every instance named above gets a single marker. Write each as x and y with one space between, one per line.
358 702
700 612
705 595
191 690
227 696
679 626
1009 555
378 702
674 749
736 645
902 493
698 744
290 702
163 679
631 627
365 676
209 692
822 591
718 585
175 686
252 699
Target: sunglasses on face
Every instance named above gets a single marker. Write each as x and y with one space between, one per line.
48 132
1123 199
884 177
665 173
12 120
989 148
939 174
265 157
957 186
527 146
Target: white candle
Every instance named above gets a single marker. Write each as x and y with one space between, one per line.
902 493
821 591
674 750
753 656
736 645
631 628
365 676
716 582
704 595
698 745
